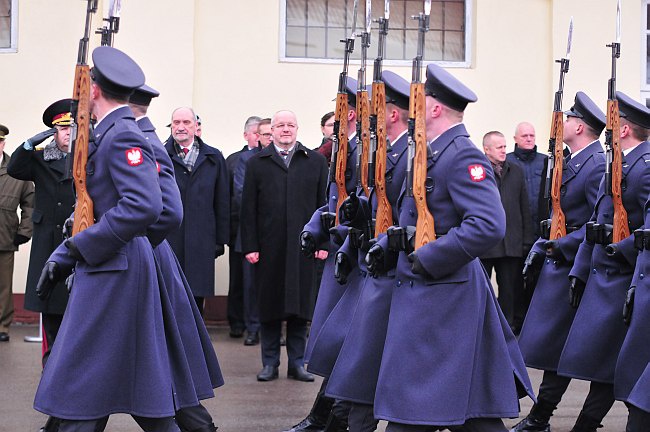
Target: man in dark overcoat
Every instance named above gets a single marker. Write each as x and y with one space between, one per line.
506 257
550 315
603 271
202 179
54 202
284 184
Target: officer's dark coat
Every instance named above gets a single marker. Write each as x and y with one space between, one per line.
449 353
206 212
232 161
632 377
330 291
54 202
102 365
550 315
276 203
354 377
533 164
195 368
597 332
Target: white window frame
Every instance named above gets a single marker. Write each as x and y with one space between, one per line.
372 51
13 47
645 60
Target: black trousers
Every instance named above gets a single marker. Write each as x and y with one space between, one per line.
637 420
51 325
251 306
165 424
471 425
200 303
362 418
195 418
235 308
597 403
271 332
509 280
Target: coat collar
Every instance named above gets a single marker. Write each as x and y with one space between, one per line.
575 164
397 150
638 153
269 152
440 144
145 124
205 153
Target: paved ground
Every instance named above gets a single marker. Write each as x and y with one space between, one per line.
242 405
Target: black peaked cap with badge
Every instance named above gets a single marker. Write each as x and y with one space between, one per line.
633 111
447 89
4 131
143 95
398 90
586 109
58 114
115 72
351 89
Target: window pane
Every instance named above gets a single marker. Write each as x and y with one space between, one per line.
5 24
433 46
335 48
647 58
413 8
296 12
316 14
295 42
453 48
395 45
336 13
647 20
436 18
316 42
454 16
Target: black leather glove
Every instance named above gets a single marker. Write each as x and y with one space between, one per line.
416 265
20 239
375 260
553 250
38 138
342 268
350 207
67 227
69 281
338 235
73 251
613 251
50 276
628 307
532 266
576 290
219 250
307 243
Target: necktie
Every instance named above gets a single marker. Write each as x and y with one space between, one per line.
284 153
185 150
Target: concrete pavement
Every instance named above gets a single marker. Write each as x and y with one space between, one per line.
242 405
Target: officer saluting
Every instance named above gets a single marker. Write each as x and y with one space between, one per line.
550 316
450 357
94 369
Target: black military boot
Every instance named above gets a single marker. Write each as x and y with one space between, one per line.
586 424
537 419
317 418
52 425
335 424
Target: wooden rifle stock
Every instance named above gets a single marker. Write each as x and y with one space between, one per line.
424 229
363 111
384 215
621 228
558 220
341 117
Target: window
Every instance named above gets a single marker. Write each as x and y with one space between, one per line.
312 30
645 56
8 22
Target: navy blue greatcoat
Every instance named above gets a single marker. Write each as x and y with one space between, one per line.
598 331
102 365
632 377
550 315
330 291
195 368
54 201
355 373
449 353
205 192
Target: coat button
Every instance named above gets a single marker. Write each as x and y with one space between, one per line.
411 213
58 203
58 226
594 271
640 275
399 283
411 283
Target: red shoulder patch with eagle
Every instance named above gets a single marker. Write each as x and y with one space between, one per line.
134 157
476 172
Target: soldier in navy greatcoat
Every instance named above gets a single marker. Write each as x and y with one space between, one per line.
94 370
316 236
354 376
184 326
632 377
450 358
603 272
550 316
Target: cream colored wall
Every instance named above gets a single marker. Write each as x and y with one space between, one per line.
222 58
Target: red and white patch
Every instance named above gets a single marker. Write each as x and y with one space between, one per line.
157 166
476 173
134 157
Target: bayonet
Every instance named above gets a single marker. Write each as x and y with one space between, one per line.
112 23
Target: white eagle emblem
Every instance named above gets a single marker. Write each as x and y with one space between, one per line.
134 156
476 172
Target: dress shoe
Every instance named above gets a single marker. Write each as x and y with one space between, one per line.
4 337
268 373
252 339
236 332
300 374
307 425
531 424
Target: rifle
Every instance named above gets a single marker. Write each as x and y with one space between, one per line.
111 24
377 172
363 108
555 153
613 153
340 136
417 144
80 129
